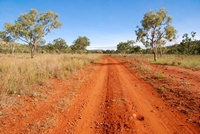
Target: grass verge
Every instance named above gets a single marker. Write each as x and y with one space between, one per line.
19 71
187 61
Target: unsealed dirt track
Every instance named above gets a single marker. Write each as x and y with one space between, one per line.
112 100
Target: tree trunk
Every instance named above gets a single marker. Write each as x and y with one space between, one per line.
155 54
161 52
13 50
189 48
32 50
12 45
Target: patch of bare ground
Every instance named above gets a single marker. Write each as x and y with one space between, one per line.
180 87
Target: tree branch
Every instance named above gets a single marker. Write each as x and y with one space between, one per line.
23 40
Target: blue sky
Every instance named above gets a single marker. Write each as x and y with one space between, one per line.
104 22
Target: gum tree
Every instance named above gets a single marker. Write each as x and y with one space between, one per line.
156 30
125 47
32 27
9 39
188 41
60 44
80 44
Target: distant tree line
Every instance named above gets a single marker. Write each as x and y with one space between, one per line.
57 46
155 31
183 48
122 48
127 47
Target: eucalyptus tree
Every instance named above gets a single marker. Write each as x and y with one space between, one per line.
156 30
80 44
32 27
125 47
161 44
187 41
6 37
60 44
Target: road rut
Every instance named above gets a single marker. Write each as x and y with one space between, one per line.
111 100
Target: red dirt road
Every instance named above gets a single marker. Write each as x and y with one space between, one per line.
107 98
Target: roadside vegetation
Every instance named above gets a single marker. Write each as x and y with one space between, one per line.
187 61
18 72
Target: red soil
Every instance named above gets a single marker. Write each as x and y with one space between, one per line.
106 97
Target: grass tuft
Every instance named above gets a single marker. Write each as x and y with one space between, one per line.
159 75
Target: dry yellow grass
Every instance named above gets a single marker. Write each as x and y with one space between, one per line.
19 71
188 61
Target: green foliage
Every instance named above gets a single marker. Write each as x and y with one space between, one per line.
41 42
156 30
60 44
191 47
135 49
187 44
109 52
123 47
7 37
32 27
95 51
80 44
127 47
7 47
188 61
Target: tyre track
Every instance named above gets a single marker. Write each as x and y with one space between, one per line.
83 113
117 117
117 101
112 100
164 120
